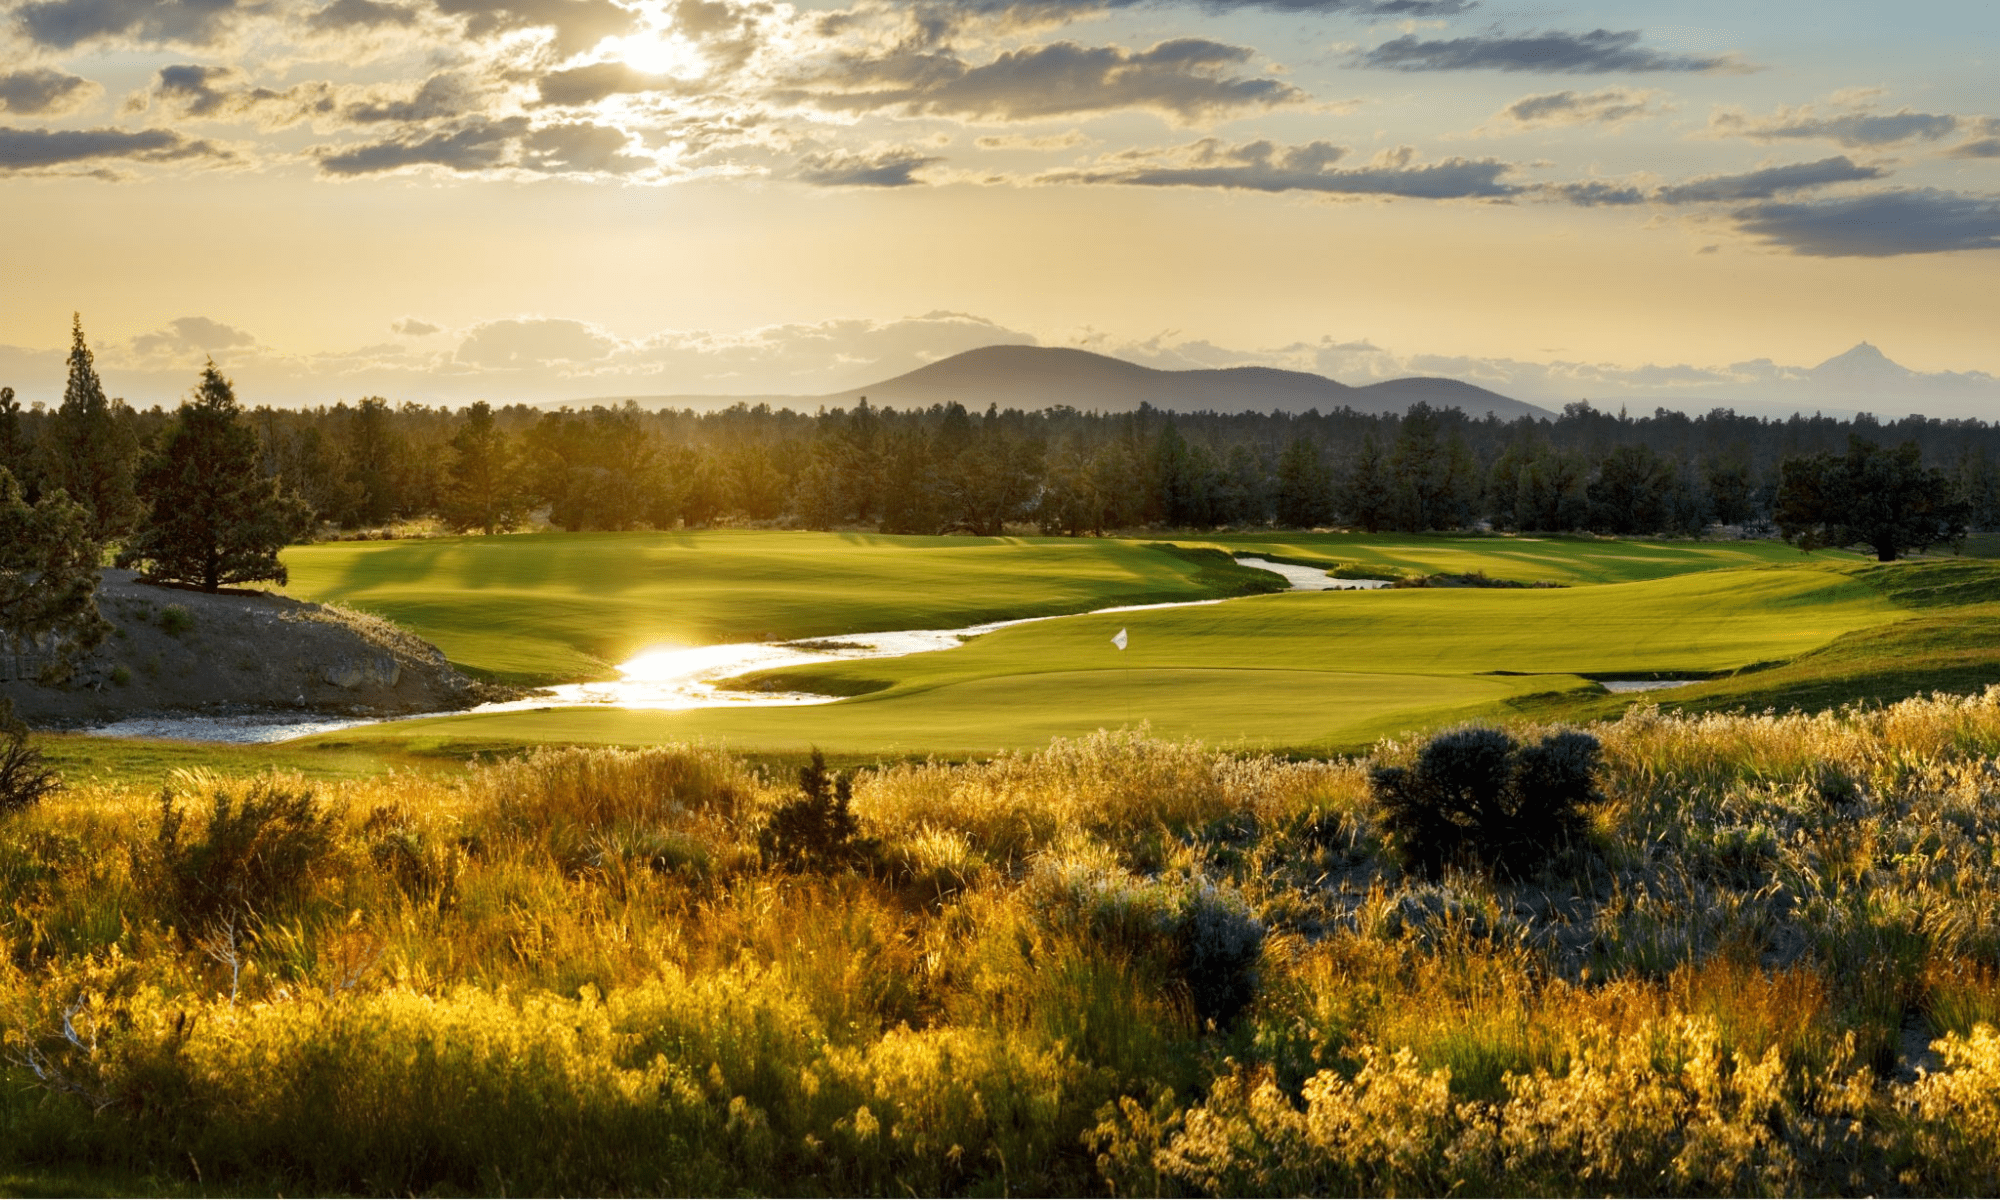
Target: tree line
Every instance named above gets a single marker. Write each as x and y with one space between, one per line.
208 492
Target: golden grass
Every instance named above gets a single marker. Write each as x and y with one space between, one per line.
1775 969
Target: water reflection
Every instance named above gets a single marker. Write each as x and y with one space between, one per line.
670 678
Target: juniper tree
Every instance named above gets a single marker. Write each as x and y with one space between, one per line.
482 489
1886 500
48 572
90 449
213 516
15 445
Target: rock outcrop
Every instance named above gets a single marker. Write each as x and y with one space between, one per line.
174 651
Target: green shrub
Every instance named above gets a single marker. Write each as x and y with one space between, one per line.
1476 797
176 620
1220 943
249 857
818 830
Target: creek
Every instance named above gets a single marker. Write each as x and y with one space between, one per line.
674 678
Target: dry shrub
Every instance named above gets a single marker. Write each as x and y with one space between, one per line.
1108 782
255 851
563 794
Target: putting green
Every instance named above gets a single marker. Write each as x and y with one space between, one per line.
540 608
1296 671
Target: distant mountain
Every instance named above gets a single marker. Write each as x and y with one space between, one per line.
1037 377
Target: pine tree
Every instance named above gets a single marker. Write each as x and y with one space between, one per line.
15 445
48 573
1305 487
482 490
89 451
1367 495
213 516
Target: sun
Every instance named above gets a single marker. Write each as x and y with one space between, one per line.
656 52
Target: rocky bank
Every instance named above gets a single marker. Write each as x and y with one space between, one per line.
179 652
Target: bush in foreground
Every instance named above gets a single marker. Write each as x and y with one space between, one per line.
1476 796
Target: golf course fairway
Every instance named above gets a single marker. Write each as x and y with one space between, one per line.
1525 559
1299 671
551 607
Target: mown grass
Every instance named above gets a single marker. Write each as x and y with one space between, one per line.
1525 558
547 607
1768 970
1302 672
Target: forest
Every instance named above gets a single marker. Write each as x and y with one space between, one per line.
944 469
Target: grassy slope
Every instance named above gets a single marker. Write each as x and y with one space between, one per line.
1298 671
1946 640
1571 560
538 608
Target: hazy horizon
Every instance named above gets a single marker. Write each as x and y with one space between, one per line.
445 200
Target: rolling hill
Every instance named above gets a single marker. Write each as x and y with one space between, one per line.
1037 377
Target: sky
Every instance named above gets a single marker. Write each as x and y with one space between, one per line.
447 200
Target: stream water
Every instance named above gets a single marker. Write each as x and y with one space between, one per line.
679 677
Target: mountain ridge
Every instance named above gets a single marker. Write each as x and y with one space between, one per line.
1039 377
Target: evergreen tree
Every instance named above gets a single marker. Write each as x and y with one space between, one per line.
372 445
1886 500
1368 495
482 490
48 573
1731 486
1550 496
1304 492
1432 473
213 516
89 451
16 450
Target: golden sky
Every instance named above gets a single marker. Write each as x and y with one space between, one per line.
547 199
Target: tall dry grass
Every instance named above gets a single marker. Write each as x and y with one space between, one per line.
1120 963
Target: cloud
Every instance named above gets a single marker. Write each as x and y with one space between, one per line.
480 145
1855 129
40 92
1984 142
578 25
1264 166
580 148
1908 221
67 24
483 145
201 93
33 149
1596 193
191 335
1014 141
1598 52
1609 106
533 342
883 168
597 81
1187 79
361 14
1768 182
441 97
412 327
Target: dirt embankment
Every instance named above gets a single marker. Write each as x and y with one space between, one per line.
174 651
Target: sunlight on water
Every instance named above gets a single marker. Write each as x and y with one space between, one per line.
670 677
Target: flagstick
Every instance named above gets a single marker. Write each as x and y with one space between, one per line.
1119 641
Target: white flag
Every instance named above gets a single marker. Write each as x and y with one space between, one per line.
1119 641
